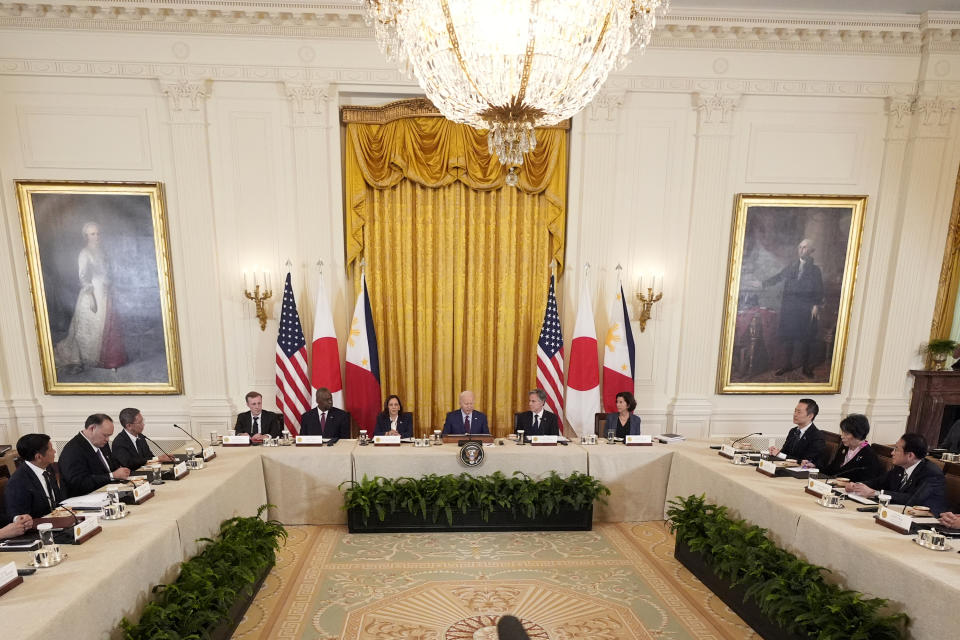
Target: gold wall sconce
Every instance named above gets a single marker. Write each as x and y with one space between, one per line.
261 291
653 295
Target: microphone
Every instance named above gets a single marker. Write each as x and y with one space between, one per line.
149 439
755 433
194 439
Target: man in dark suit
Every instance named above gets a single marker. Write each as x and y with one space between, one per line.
537 421
913 480
804 441
325 420
34 488
130 448
257 421
83 465
799 307
465 420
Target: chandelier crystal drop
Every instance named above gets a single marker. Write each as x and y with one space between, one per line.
509 66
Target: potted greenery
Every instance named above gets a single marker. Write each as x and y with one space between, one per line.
472 503
778 594
215 588
937 352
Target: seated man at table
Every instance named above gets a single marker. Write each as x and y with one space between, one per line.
33 489
325 419
913 480
258 421
84 467
537 421
465 420
130 448
804 441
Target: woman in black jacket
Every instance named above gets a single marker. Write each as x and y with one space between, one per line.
855 459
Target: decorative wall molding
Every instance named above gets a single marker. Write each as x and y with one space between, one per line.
899 109
606 105
715 108
935 110
720 29
186 94
176 72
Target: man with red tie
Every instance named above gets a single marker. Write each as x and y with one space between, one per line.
465 421
325 420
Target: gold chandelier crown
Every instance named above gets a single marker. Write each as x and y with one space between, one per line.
511 65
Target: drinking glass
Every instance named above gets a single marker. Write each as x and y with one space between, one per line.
214 438
520 433
611 434
884 499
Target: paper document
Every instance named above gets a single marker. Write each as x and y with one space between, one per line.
859 499
89 501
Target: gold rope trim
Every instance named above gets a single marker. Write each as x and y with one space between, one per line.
409 108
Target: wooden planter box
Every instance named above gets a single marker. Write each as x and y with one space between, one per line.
403 522
733 597
225 629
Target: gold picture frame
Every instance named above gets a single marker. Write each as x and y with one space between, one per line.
99 265
786 309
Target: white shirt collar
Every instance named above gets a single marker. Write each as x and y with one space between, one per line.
37 470
804 429
466 415
908 470
539 415
132 437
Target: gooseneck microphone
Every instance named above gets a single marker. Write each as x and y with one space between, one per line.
149 439
202 456
755 433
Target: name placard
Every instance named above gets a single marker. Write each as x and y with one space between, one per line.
893 519
209 454
384 440
641 441
8 573
236 441
141 491
309 440
818 488
85 527
768 468
543 440
180 470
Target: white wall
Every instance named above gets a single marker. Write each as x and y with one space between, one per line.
722 104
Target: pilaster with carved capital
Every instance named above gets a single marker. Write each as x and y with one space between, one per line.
703 284
604 111
192 224
310 103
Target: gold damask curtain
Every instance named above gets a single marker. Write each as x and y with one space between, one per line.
457 263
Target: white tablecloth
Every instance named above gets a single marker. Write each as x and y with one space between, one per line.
637 478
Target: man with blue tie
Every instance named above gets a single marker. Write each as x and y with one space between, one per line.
465 421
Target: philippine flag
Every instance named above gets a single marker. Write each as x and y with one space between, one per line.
325 360
363 364
583 377
618 353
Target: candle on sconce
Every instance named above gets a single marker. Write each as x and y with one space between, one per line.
246 284
269 287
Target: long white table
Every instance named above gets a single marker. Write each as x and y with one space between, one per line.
861 554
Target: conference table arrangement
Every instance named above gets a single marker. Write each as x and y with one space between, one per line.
117 568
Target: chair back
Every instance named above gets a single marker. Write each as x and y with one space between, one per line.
599 422
885 453
951 473
832 442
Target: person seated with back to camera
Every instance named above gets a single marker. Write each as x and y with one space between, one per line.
855 458
392 421
624 422
804 441
912 481
465 421
538 420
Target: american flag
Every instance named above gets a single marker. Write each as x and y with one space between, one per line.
293 383
550 356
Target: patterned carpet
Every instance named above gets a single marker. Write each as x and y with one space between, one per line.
619 581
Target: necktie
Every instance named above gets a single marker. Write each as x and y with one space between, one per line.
47 477
903 480
323 422
466 424
256 425
536 424
104 459
142 447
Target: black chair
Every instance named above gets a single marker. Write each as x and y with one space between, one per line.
832 442
599 422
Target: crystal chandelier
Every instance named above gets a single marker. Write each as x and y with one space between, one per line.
511 65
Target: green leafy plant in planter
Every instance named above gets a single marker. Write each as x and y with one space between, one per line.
432 495
788 590
937 352
211 582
